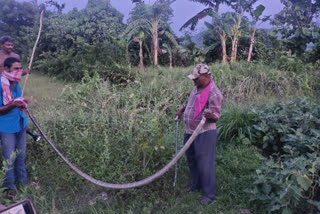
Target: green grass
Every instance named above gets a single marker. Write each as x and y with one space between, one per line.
111 133
41 91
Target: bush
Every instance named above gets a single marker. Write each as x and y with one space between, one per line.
288 133
106 59
290 127
84 41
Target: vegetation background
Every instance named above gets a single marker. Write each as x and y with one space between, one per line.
106 93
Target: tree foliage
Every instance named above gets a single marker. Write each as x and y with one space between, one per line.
85 40
18 19
152 20
256 17
296 24
212 6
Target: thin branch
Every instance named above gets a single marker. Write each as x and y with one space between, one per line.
33 51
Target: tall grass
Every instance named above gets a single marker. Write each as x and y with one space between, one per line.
247 82
122 133
235 124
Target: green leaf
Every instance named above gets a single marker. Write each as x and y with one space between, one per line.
267 188
246 141
275 148
283 194
286 211
303 182
305 31
259 10
265 138
296 190
312 170
275 207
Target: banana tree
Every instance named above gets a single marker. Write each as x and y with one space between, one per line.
223 21
170 46
212 6
139 39
154 18
170 51
188 50
222 25
255 14
239 6
236 34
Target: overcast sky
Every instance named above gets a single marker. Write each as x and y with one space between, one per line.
183 9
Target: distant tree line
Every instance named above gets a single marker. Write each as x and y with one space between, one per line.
95 39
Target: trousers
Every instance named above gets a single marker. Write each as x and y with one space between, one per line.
14 154
201 162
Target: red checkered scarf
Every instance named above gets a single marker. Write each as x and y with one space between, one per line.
6 89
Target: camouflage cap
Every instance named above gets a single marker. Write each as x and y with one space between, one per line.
199 70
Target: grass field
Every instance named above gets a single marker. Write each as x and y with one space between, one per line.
76 128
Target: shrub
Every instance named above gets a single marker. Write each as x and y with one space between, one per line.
290 127
84 41
288 133
106 59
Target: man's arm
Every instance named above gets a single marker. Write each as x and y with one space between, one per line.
26 71
213 112
5 109
180 112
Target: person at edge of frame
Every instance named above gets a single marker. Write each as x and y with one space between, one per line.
13 123
6 44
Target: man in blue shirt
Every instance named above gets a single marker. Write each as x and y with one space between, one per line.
6 44
13 124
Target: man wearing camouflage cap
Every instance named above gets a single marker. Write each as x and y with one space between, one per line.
205 100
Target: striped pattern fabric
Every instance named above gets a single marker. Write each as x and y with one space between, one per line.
7 96
213 105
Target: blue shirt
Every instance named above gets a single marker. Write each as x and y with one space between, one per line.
10 122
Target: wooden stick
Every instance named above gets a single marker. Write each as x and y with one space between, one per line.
34 49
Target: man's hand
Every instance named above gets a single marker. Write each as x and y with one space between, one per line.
18 104
209 116
26 71
180 112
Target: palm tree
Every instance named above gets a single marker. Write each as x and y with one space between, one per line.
188 50
212 6
255 14
152 19
236 33
140 38
222 25
223 22
171 49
